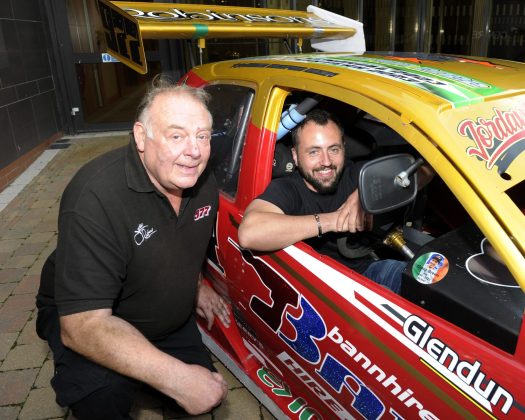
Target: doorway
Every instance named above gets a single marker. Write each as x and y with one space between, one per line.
98 92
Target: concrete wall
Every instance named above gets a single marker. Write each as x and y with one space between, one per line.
28 114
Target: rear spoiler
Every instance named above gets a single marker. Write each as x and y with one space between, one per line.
126 24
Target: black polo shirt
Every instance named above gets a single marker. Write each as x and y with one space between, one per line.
122 246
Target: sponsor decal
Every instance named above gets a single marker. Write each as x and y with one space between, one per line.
498 140
457 89
178 15
202 212
301 327
420 332
319 72
430 268
421 58
297 406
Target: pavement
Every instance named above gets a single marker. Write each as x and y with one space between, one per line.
28 233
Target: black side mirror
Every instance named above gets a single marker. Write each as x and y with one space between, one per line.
388 183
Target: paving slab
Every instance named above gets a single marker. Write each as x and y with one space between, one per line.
231 380
239 404
30 248
21 261
36 268
47 371
19 303
10 245
7 340
28 284
9 412
28 334
15 385
25 356
266 415
4 256
44 203
12 233
11 275
40 237
40 404
5 290
11 322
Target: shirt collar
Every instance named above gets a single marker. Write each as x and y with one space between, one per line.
136 175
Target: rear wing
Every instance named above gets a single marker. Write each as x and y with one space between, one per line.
126 24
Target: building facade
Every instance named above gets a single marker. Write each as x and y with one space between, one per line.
29 115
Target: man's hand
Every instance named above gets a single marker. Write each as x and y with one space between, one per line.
200 390
210 304
117 345
351 217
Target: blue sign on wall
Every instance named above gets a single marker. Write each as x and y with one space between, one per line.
108 58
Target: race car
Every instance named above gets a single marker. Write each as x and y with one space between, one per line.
310 337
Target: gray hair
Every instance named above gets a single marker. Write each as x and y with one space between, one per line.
163 84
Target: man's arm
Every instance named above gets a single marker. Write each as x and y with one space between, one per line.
117 345
265 227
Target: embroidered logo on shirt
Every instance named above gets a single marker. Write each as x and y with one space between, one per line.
202 212
142 233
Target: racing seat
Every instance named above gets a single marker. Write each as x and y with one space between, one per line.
283 163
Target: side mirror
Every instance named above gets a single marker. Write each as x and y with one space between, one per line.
379 191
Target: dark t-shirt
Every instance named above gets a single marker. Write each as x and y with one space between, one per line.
293 197
122 246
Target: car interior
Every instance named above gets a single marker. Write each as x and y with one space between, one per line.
435 222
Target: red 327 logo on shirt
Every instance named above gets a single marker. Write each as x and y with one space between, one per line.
202 212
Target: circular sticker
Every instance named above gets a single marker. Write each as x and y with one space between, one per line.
430 268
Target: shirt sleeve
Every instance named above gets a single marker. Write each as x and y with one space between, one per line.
282 193
90 266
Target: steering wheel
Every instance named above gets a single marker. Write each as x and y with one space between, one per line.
357 245
361 244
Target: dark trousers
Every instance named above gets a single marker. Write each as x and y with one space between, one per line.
95 392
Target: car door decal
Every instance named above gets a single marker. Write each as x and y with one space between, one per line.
498 140
445 362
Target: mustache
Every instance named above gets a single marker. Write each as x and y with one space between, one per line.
322 168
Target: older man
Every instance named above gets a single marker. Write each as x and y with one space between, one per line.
316 203
117 297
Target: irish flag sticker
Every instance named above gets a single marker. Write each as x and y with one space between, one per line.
430 268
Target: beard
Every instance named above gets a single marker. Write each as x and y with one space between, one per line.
319 186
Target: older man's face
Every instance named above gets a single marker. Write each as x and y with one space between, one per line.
320 155
177 148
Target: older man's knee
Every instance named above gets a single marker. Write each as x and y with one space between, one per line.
113 401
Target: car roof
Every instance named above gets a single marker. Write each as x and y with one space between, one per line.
456 89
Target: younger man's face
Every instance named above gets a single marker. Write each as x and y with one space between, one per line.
320 156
